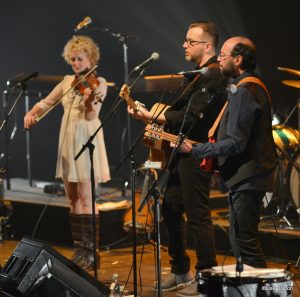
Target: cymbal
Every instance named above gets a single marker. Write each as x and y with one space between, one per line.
292 83
289 70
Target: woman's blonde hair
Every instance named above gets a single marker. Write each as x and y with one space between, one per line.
84 44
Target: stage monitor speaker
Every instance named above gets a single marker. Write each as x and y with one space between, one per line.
35 269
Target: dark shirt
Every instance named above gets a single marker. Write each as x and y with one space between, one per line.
243 110
206 102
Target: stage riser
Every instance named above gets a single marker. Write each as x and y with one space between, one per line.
286 248
55 228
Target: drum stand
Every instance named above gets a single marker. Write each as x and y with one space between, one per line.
289 204
284 203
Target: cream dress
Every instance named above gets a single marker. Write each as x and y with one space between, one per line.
75 130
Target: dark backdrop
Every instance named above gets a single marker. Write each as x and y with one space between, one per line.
33 34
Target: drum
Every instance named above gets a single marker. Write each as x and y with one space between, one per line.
251 283
286 141
293 177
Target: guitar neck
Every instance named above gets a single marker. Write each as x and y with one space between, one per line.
165 135
130 102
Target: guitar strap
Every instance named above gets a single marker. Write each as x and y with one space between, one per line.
252 79
208 163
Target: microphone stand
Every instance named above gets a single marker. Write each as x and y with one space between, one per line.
123 38
153 191
239 268
134 173
7 115
91 147
3 125
155 194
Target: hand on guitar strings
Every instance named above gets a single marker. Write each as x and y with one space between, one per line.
185 147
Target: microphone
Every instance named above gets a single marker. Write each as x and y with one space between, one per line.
154 56
86 21
27 78
201 71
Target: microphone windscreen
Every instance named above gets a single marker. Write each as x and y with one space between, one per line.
204 70
155 56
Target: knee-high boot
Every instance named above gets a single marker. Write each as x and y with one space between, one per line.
76 222
88 241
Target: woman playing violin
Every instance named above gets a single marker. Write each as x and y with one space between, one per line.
82 106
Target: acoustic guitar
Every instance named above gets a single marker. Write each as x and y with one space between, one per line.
145 219
155 137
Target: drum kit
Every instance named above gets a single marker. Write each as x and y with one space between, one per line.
287 182
223 281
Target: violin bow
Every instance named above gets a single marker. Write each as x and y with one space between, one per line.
39 117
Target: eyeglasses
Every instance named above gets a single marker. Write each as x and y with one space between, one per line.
192 43
223 56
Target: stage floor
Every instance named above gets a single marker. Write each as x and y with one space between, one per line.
280 242
120 260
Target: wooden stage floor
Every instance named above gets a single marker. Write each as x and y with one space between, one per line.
120 260
279 243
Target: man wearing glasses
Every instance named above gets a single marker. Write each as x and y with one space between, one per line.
244 147
188 186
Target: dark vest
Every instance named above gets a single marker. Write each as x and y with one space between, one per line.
259 156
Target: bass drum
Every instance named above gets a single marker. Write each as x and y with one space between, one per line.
294 179
286 141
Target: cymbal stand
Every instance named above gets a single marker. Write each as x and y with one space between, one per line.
297 105
280 191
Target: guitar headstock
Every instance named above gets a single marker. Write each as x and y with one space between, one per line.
125 95
125 92
154 131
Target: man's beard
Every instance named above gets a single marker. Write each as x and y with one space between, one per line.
229 71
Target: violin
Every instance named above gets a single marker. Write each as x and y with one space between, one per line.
90 81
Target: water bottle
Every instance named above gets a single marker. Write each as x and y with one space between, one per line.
115 286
